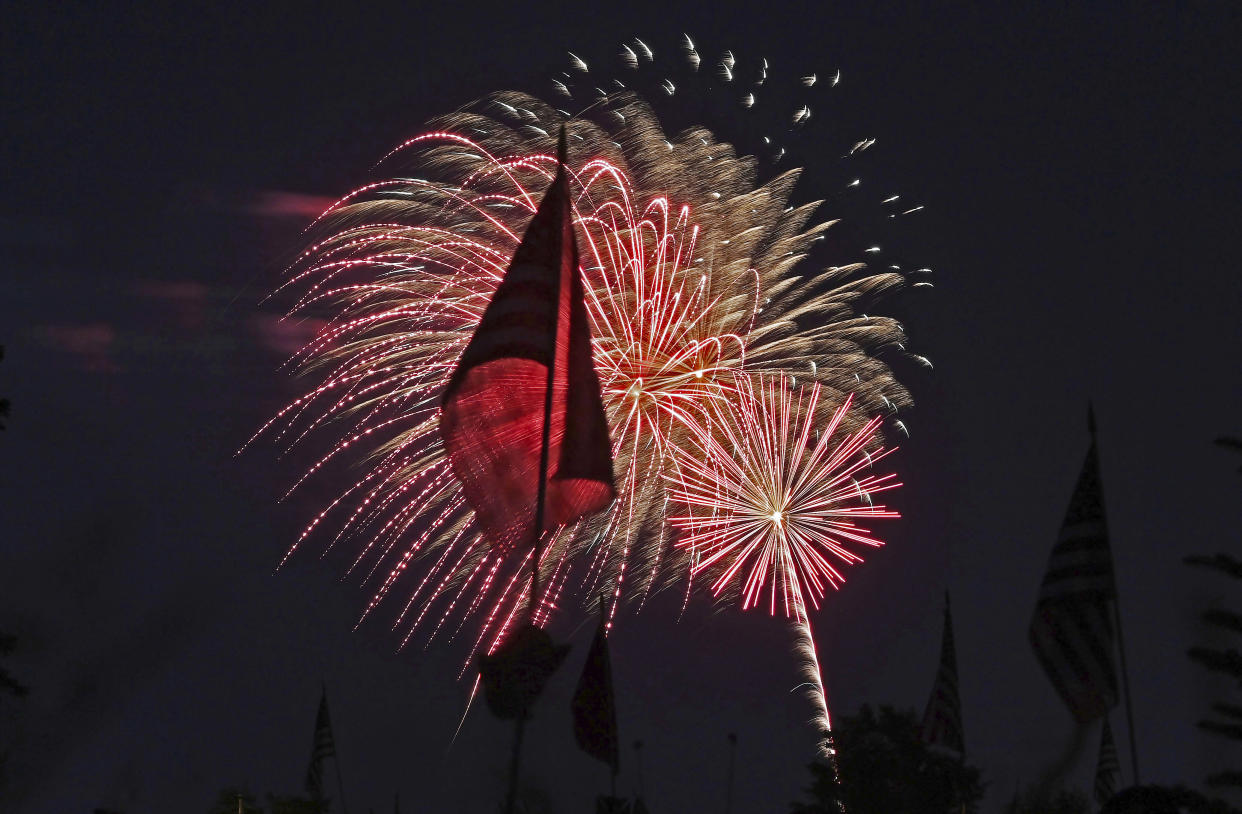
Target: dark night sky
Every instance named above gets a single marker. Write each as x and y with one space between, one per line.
1082 175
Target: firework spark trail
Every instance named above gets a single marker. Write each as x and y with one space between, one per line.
815 677
693 272
770 494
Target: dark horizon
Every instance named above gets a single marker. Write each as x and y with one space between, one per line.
1081 174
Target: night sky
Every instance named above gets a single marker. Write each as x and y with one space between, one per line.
1082 176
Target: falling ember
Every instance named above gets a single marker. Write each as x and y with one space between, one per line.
694 271
772 499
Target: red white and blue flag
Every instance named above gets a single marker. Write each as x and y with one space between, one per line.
1072 627
942 720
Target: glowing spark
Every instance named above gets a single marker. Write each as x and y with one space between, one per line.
578 62
691 53
772 498
810 81
404 267
767 503
862 145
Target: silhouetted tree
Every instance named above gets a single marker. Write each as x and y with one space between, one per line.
1164 800
1040 801
885 768
9 686
1226 720
226 802
295 805
4 403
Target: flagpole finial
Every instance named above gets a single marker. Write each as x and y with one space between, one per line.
562 149
1091 418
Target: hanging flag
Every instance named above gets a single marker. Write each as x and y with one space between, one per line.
594 707
942 720
1072 628
1108 767
529 357
322 747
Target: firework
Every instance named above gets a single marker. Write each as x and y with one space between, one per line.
772 501
694 272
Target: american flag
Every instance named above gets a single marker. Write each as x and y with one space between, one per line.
321 748
530 357
1108 767
1072 628
942 720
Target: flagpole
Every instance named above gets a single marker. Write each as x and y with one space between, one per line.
336 758
340 784
515 760
729 780
638 762
542 488
1121 639
532 607
612 768
1125 680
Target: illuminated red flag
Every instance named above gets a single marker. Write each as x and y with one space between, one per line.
529 358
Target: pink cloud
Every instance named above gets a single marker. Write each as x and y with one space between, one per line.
277 204
178 303
91 343
286 336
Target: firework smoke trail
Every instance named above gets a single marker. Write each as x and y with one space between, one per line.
694 271
771 498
